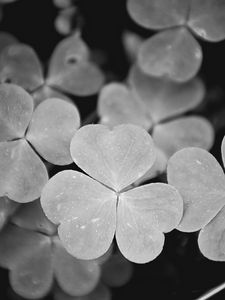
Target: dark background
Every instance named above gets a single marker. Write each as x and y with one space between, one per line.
180 272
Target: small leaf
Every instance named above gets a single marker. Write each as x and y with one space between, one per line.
211 238
157 169
7 209
32 277
201 182
70 69
86 211
158 14
207 19
22 173
115 157
223 150
163 98
20 65
17 244
183 132
51 129
16 108
75 277
101 292
173 53
45 92
31 216
6 39
118 105
144 213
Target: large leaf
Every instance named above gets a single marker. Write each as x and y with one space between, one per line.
70 69
201 182
115 157
118 105
173 53
163 98
75 277
207 19
20 65
158 14
85 210
183 132
51 129
16 108
22 173
144 213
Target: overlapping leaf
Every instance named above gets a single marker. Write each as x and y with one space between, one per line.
90 211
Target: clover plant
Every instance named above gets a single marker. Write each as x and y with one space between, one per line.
107 143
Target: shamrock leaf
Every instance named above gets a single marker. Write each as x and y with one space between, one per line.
70 69
90 211
23 174
157 105
172 53
35 257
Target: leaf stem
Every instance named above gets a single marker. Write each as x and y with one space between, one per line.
91 118
212 292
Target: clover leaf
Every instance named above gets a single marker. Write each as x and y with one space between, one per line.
35 257
70 69
174 52
49 129
91 210
157 105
